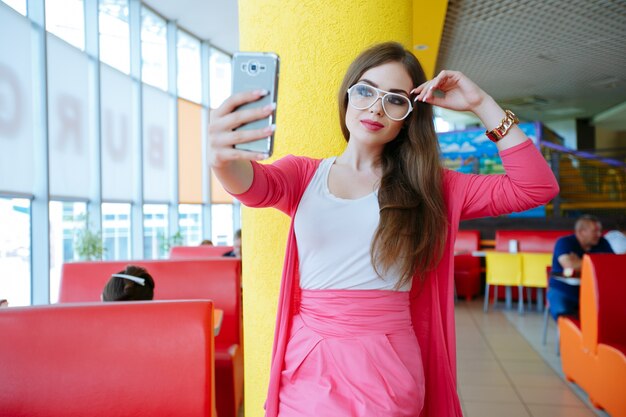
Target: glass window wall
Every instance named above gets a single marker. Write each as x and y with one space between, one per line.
153 49
70 103
114 34
222 224
189 67
15 251
116 231
69 239
66 19
156 242
220 77
18 5
190 223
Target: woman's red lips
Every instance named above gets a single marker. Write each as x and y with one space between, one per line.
371 124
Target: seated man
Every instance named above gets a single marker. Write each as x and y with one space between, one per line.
567 261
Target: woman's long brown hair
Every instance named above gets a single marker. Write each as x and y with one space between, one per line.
412 230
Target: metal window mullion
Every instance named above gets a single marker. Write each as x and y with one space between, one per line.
205 59
136 223
92 48
40 207
172 72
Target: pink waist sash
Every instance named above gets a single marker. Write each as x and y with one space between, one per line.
352 353
341 313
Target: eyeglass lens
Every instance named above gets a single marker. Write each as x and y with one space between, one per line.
362 96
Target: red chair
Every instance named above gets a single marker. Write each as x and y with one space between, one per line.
218 279
467 269
143 359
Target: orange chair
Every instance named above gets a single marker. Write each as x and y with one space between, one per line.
593 351
141 359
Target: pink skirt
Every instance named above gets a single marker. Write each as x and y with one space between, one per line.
352 353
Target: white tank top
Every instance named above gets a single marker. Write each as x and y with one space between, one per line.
334 236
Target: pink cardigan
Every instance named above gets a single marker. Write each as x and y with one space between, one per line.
528 182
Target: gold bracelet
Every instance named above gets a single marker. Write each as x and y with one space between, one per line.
498 133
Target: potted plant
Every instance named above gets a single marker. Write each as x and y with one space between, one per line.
87 243
167 242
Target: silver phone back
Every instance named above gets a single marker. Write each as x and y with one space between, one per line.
257 71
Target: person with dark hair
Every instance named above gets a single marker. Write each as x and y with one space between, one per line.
134 283
236 252
366 315
206 242
567 258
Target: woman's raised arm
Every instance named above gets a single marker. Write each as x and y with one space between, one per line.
462 94
528 182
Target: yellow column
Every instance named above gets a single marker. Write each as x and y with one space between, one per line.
428 20
316 41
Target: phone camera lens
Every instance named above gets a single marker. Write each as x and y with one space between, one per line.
253 68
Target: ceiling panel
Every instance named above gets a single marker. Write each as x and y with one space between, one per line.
547 60
212 20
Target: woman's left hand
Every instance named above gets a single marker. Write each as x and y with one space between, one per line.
459 92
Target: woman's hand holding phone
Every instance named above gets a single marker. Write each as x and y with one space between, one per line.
225 119
230 165
242 128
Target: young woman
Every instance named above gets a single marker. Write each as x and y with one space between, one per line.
365 321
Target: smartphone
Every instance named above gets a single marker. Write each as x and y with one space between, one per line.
257 71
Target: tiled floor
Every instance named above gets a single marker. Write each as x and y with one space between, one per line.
502 373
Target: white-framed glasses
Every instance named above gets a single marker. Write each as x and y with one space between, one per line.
363 96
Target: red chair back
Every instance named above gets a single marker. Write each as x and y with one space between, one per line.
529 240
198 252
140 359
467 241
218 279
607 273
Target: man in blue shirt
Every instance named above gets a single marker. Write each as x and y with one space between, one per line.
567 261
